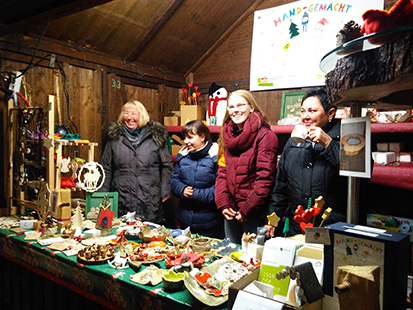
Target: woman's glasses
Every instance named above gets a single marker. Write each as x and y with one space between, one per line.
130 113
238 106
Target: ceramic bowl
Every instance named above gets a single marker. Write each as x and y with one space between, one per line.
173 281
148 234
201 245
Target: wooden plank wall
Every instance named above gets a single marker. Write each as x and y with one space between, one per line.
95 97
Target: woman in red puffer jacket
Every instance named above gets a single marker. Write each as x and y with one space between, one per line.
246 175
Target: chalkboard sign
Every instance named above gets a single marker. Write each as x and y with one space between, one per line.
291 104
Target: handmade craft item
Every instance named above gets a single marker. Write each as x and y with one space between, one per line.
91 176
217 105
64 165
96 254
199 288
172 281
273 219
173 259
358 287
148 234
105 218
119 261
305 218
151 275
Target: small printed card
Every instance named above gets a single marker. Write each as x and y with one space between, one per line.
278 253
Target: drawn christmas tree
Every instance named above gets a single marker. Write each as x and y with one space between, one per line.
293 30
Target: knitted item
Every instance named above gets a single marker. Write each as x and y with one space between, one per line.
247 135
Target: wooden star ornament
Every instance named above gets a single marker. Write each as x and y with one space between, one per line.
273 219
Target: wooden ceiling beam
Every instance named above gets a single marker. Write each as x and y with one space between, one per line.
19 16
90 59
225 36
154 30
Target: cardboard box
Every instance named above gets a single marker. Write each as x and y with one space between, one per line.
405 157
191 112
173 118
396 147
253 276
384 157
382 147
366 246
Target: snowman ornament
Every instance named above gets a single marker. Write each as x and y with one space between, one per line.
217 105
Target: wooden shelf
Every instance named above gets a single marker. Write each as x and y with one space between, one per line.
391 127
394 176
287 129
177 129
383 175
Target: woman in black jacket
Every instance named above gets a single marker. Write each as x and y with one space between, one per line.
311 169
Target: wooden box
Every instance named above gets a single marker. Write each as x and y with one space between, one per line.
191 112
172 119
367 246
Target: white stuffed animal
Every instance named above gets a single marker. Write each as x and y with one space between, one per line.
217 105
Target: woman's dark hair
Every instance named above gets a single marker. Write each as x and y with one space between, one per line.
321 94
196 127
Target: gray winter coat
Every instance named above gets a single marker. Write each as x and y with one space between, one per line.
140 175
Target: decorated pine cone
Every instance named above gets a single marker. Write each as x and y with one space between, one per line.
350 27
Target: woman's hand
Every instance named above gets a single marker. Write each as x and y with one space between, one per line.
317 135
240 218
165 198
229 214
270 231
188 192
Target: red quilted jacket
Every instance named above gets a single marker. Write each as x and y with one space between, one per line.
246 181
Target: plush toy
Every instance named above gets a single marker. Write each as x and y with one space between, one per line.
217 105
379 20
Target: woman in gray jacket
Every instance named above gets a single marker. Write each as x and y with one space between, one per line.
137 163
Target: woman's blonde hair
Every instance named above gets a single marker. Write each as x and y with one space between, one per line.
249 97
143 113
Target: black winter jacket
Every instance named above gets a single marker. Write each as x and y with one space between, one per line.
309 170
140 175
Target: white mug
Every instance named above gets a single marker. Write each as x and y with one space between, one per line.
299 133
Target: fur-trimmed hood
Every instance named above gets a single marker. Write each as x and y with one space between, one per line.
159 132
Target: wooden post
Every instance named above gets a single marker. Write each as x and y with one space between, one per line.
353 185
9 145
50 154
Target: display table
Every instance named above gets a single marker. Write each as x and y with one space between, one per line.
100 285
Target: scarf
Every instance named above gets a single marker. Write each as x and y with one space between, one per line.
133 135
240 141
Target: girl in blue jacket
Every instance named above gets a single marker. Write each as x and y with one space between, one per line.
193 182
